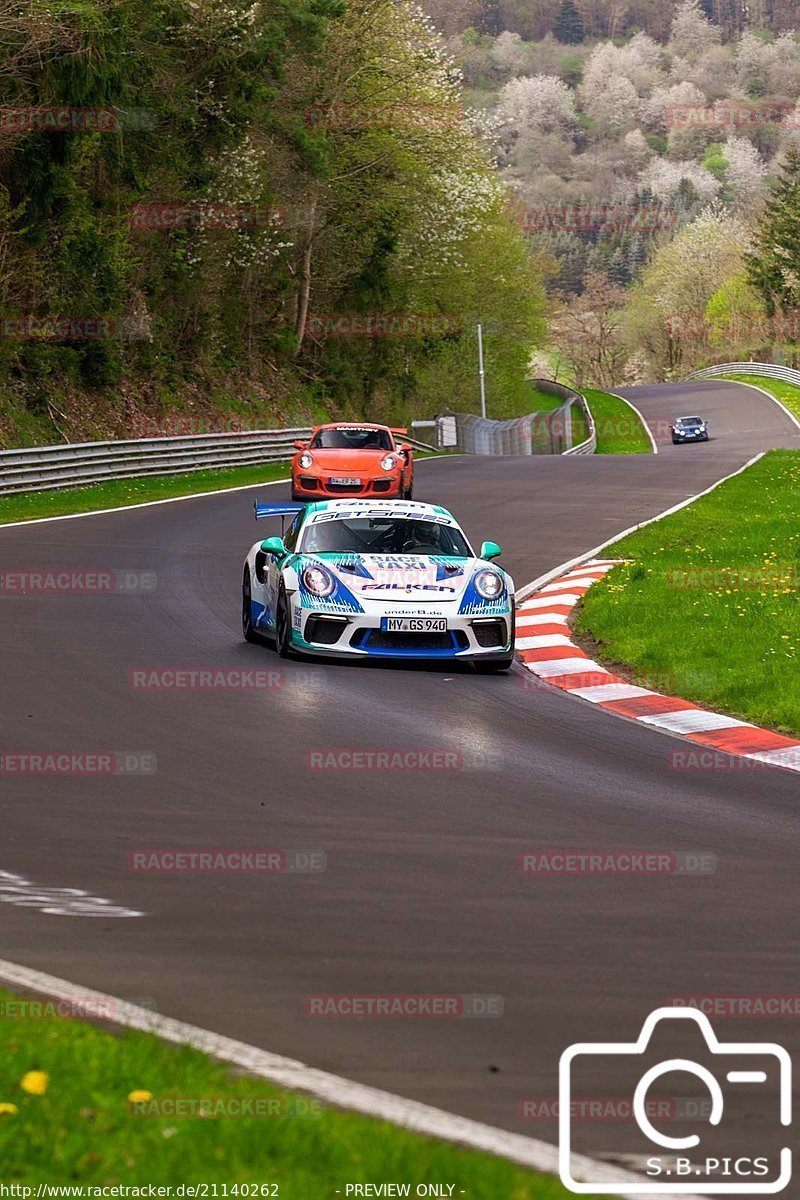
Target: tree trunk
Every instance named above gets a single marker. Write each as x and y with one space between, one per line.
304 283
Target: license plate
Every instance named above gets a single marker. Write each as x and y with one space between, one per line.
414 624
346 482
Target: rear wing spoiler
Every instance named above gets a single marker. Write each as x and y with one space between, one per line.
285 508
404 432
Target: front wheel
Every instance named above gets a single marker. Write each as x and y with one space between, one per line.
248 632
494 666
408 493
283 628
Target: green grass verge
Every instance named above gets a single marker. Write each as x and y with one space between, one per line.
84 1131
118 492
786 392
710 605
619 430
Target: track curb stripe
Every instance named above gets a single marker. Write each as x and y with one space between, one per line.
548 652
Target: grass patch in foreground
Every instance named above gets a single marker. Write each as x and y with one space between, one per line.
787 392
619 429
710 606
83 1130
116 493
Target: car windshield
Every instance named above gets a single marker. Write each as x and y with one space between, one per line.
384 535
351 439
690 421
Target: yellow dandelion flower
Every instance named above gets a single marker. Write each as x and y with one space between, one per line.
35 1083
7 1109
139 1097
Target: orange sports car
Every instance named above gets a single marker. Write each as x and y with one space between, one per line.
350 459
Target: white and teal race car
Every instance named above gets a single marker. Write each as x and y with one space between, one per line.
364 579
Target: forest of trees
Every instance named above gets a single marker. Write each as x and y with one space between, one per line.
640 167
330 130
251 195
588 19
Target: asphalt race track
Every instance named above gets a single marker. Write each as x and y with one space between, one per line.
421 892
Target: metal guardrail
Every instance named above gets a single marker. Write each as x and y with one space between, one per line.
536 433
560 421
770 370
44 468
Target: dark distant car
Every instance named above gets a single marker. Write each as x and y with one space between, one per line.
689 429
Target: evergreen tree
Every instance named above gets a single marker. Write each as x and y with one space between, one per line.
491 18
774 265
568 27
618 268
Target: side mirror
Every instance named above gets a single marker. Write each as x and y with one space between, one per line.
490 550
405 448
301 445
274 545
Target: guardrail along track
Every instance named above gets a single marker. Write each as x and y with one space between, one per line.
43 468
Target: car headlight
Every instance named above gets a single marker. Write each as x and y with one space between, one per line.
305 461
318 581
389 463
489 584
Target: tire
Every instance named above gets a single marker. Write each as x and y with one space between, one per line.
248 632
408 493
674 441
283 626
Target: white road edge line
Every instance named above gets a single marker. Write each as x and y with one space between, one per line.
530 588
756 388
647 428
101 512
332 1089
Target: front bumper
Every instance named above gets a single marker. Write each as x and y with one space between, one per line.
359 635
389 486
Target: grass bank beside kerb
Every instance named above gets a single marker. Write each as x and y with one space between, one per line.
711 598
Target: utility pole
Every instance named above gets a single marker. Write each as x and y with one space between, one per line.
481 371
